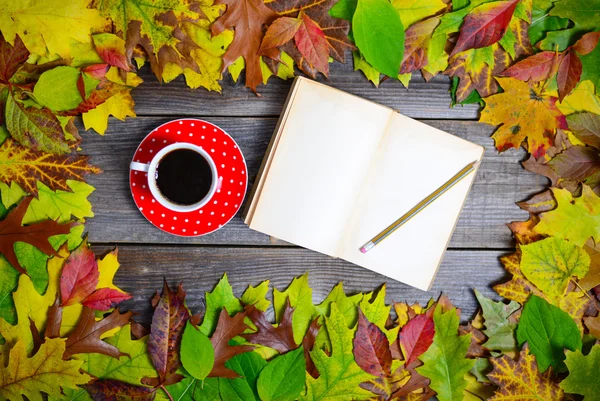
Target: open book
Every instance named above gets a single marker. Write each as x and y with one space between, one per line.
340 169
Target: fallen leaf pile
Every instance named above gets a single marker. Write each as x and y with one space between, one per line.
533 65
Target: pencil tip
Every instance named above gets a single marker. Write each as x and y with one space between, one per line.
363 249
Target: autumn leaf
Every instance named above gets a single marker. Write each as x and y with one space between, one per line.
168 323
586 127
538 67
552 263
523 113
416 336
371 348
11 231
79 276
444 363
582 213
105 298
569 72
11 58
280 338
499 325
227 329
44 372
548 331
114 390
340 375
521 379
86 337
25 167
111 49
281 31
247 18
416 41
575 165
312 44
220 297
583 373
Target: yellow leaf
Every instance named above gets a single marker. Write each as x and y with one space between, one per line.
583 98
412 11
45 372
49 27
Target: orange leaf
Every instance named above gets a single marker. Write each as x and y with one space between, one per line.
587 43
79 276
415 44
312 44
280 32
538 67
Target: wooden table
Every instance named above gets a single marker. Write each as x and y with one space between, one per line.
148 254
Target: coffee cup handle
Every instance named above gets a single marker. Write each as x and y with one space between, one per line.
139 166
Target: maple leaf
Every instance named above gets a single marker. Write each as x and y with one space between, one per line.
583 373
444 363
86 336
59 205
220 297
582 213
45 371
299 294
499 327
280 338
26 166
551 264
335 31
227 328
339 373
485 25
114 390
521 380
168 324
523 113
247 18
11 231
416 336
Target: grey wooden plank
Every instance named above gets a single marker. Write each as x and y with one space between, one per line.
199 269
501 181
421 100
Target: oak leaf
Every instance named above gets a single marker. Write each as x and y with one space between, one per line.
227 329
523 113
583 373
521 379
26 166
499 324
86 337
416 336
44 372
114 390
280 338
308 343
11 231
220 297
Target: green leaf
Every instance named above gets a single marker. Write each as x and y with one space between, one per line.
248 365
499 330
11 195
57 89
190 389
283 377
257 296
591 67
548 331
300 295
379 35
219 298
584 371
197 353
542 22
35 128
340 376
551 263
343 9
445 362
361 64
60 205
347 305
473 97
8 284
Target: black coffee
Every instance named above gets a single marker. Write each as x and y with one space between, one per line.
184 176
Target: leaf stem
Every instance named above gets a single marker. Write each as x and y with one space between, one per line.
166 392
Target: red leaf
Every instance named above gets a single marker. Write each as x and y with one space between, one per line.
103 91
538 67
587 43
37 234
85 338
280 338
114 390
167 327
97 71
79 276
11 58
569 72
485 25
415 44
312 44
111 49
371 348
227 328
280 32
105 299
308 342
417 336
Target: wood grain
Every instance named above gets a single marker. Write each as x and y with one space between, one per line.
421 99
501 181
200 268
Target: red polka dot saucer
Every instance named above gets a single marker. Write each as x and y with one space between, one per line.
231 171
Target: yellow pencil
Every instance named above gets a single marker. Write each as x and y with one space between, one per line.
418 207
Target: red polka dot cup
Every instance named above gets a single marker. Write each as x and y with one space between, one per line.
152 173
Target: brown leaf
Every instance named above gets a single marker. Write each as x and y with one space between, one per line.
280 32
308 342
280 338
416 39
416 382
85 338
53 320
168 323
35 334
312 44
586 127
569 72
138 330
542 202
578 164
593 325
371 348
247 18
539 167
79 275
26 167
227 328
476 350
587 43
11 58
37 234
114 390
